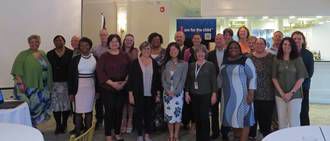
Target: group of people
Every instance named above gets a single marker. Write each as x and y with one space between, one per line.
249 80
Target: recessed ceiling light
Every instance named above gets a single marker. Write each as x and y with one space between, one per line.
319 17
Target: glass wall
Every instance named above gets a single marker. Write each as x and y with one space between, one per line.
315 28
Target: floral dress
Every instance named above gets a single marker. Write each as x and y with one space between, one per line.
173 106
173 80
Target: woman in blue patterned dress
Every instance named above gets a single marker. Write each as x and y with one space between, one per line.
173 80
239 82
32 74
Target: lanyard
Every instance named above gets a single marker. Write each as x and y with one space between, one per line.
198 69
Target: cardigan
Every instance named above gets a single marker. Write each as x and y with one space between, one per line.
308 60
178 78
60 65
135 81
206 79
29 69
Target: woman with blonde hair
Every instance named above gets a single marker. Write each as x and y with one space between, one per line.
144 90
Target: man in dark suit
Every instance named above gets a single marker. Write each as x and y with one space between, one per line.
216 57
180 39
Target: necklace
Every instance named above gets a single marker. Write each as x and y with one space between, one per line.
286 64
86 57
60 52
145 61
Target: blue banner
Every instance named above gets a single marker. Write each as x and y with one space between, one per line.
206 27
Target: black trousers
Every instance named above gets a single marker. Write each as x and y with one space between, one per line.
187 114
215 115
99 109
304 114
201 107
113 102
263 114
143 115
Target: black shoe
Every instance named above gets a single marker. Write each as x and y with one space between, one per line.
119 138
57 130
75 132
214 136
63 128
98 125
225 137
252 139
72 131
185 127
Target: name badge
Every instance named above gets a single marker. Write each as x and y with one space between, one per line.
196 85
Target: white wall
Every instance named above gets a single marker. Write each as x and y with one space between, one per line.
318 40
319 91
176 10
265 7
91 24
144 17
21 18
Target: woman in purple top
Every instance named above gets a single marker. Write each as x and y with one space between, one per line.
112 71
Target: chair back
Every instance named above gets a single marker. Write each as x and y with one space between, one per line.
86 136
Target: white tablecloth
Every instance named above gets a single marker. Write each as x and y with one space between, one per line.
18 115
302 133
326 132
16 132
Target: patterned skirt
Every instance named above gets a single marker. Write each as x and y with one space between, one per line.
173 108
60 97
38 101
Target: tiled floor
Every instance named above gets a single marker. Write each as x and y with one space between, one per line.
320 115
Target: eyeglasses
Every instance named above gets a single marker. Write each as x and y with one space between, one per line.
147 48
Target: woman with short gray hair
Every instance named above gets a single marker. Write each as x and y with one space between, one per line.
201 88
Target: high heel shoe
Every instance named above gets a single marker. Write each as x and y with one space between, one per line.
129 126
129 130
123 128
119 138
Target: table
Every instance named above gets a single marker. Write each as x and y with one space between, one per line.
17 132
326 132
302 133
18 115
